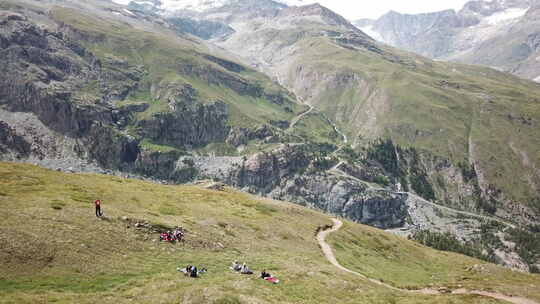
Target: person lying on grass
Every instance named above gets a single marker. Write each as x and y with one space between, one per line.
268 277
265 274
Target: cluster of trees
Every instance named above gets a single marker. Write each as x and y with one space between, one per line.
487 205
527 242
527 245
407 170
324 163
385 153
448 242
468 171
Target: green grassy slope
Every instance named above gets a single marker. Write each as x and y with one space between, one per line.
463 113
408 265
173 60
166 62
53 249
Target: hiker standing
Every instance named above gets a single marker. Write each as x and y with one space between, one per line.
97 203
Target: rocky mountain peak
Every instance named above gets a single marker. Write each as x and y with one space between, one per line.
444 18
487 8
484 8
482 32
328 16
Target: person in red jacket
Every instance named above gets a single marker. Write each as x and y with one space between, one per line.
97 203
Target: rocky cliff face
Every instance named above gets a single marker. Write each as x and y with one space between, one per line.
429 33
176 127
293 173
42 71
13 146
492 33
204 29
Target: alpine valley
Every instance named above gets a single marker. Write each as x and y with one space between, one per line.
281 100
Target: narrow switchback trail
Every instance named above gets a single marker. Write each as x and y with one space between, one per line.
300 117
329 254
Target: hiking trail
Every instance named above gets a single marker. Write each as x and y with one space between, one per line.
329 254
300 117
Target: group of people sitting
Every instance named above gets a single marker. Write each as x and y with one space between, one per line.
244 269
192 271
172 236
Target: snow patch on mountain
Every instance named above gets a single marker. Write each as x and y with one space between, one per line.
537 79
123 2
195 5
129 12
506 15
173 5
200 5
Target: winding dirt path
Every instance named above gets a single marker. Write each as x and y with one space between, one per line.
300 117
329 254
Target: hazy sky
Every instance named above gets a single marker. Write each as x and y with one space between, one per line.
355 9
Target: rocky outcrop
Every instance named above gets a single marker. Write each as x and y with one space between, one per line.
289 173
229 65
262 172
160 165
204 29
42 72
318 11
241 136
12 143
191 125
346 197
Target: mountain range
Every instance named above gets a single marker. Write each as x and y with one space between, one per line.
289 102
499 34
